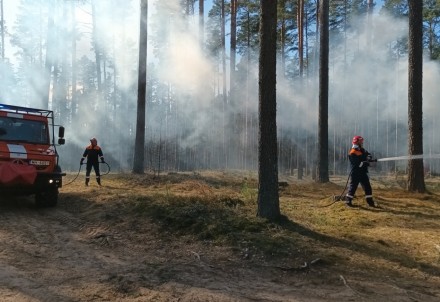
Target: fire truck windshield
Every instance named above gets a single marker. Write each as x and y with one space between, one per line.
21 130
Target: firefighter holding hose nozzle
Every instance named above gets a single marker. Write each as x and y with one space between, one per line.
359 161
93 153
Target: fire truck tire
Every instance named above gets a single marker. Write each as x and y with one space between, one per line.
48 198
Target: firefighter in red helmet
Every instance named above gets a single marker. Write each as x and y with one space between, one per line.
93 153
359 161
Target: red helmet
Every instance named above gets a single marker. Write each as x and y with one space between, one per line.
357 139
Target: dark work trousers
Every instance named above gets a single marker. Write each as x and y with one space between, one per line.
95 166
356 179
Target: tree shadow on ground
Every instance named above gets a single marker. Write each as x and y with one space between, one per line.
377 251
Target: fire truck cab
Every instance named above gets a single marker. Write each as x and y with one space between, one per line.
28 154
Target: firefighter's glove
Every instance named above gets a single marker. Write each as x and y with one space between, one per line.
102 160
82 161
370 159
364 164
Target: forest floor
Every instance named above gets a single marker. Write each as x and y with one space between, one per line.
195 237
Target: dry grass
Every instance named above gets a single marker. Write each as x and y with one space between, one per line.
399 240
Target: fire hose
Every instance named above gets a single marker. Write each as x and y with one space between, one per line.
337 198
79 170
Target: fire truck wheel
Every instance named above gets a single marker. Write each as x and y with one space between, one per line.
47 199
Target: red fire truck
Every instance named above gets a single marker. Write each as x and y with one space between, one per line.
28 154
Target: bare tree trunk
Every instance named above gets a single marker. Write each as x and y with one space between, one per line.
323 174
139 155
233 48
283 34
225 97
268 196
233 139
345 36
416 178
48 64
246 112
306 42
201 21
315 49
60 76
301 37
73 49
369 22
431 40
96 49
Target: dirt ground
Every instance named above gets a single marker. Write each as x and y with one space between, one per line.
91 247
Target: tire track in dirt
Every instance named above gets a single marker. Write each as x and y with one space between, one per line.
88 231
139 259
21 288
44 249
143 260
68 255
28 247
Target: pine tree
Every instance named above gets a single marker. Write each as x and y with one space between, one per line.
416 179
138 163
268 196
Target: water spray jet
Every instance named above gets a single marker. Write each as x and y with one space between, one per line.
341 197
409 157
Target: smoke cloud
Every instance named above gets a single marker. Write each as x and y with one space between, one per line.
186 106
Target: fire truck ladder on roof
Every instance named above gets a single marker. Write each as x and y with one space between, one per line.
26 110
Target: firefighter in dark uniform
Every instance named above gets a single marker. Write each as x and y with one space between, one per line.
359 161
93 153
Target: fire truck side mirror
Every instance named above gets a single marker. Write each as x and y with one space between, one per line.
61 140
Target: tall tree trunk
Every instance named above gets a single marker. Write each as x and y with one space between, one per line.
74 65
323 175
370 9
96 49
345 36
233 139
225 98
306 41
233 48
416 179
301 36
283 35
268 196
246 112
316 49
49 62
431 39
60 79
201 21
139 147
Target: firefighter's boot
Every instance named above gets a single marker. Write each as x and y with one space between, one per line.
370 202
348 201
87 181
98 180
